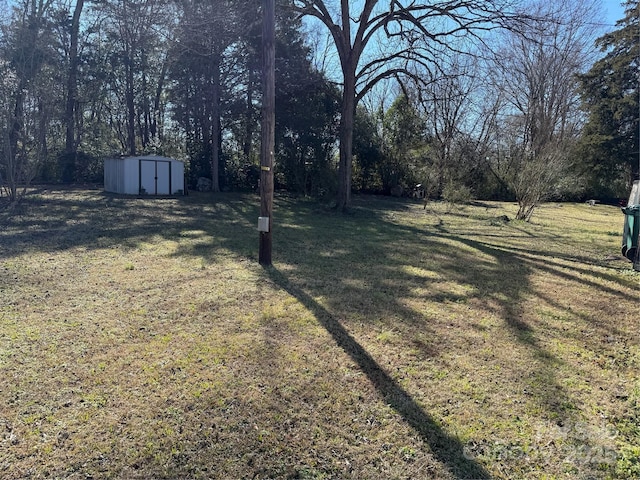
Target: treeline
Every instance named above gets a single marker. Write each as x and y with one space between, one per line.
523 114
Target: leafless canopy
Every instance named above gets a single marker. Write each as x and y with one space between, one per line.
384 39
377 40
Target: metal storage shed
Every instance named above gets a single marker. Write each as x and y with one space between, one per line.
147 175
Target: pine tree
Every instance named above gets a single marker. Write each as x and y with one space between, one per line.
610 93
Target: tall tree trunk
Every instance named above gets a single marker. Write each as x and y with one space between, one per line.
343 201
146 107
215 125
131 108
156 123
71 144
248 128
13 175
43 148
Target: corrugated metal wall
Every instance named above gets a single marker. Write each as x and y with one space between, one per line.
160 175
114 175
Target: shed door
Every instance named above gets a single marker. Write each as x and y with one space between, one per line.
163 176
155 177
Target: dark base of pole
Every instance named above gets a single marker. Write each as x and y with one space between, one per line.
264 252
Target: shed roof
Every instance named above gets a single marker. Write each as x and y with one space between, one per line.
149 157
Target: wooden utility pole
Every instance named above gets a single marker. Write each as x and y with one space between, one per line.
268 131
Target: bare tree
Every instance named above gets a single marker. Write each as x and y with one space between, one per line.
536 84
447 102
12 170
207 30
71 145
378 40
138 68
26 93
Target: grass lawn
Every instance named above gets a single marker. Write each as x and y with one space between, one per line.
140 339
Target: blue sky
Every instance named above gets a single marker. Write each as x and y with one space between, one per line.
613 11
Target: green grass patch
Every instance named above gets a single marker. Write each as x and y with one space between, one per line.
139 338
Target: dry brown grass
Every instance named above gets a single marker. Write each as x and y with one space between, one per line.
140 339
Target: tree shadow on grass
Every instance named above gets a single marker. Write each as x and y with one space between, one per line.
445 447
95 219
498 279
580 266
365 257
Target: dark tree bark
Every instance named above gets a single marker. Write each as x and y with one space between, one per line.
248 128
215 125
346 143
71 144
156 121
130 103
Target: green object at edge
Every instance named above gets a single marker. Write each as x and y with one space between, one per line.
631 231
